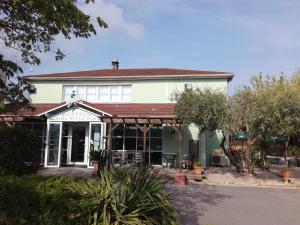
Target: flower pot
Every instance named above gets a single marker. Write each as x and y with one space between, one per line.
286 173
96 167
180 179
197 170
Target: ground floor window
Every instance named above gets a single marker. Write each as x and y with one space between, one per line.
130 138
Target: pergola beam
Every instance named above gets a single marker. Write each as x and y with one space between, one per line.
179 130
144 124
145 130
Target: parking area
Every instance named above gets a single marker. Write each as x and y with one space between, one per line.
200 204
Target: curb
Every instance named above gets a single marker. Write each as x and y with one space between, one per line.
252 186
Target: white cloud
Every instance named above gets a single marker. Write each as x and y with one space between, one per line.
268 33
113 15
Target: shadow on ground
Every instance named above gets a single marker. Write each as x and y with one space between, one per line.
190 201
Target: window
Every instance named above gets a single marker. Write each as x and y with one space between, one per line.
104 94
117 138
68 91
126 93
91 93
114 93
81 92
188 87
100 93
130 138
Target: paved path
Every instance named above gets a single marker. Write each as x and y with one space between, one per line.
220 205
228 175
66 171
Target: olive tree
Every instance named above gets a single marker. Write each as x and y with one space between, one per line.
208 110
269 106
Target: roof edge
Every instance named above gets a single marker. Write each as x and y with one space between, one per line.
228 76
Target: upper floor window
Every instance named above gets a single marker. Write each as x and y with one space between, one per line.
99 93
188 87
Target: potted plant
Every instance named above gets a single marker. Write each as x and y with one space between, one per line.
286 173
197 168
98 158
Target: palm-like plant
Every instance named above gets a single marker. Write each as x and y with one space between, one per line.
131 197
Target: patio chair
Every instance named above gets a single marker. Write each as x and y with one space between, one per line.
117 158
138 159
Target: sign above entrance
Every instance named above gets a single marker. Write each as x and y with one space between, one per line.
75 115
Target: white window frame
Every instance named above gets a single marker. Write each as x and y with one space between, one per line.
47 144
103 141
119 99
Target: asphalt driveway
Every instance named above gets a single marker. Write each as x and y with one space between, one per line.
222 205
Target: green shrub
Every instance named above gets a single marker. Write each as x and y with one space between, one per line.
132 197
20 151
259 159
294 150
35 200
259 153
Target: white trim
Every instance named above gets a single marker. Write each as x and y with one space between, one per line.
70 109
59 144
78 103
69 157
50 110
69 148
102 141
47 143
89 144
119 98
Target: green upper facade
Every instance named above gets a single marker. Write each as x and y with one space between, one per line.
123 85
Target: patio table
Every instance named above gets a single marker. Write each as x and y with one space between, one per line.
172 158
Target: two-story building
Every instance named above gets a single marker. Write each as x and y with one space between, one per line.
121 109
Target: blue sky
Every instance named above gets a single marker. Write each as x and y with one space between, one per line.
242 36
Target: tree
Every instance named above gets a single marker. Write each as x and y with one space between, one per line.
269 107
31 26
208 110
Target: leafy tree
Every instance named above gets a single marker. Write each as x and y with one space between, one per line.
208 110
31 26
269 106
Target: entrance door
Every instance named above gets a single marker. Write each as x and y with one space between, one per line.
78 144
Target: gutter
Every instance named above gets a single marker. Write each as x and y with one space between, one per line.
228 76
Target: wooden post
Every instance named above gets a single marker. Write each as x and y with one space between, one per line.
109 145
180 138
110 130
145 130
145 142
180 178
180 146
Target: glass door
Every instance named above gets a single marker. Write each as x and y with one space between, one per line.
78 144
97 134
54 144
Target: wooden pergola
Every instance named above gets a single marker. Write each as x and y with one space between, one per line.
144 123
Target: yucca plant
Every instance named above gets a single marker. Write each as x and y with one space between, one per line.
125 196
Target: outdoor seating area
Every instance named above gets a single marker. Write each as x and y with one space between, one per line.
127 158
